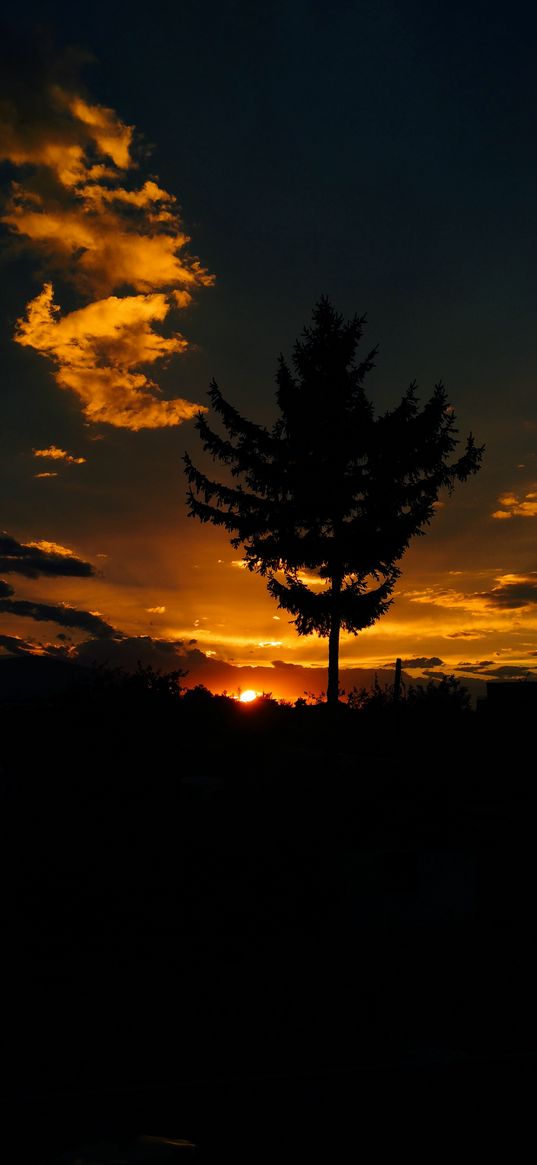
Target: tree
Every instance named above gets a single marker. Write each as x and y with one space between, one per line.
330 488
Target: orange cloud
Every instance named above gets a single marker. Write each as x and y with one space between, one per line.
61 133
511 594
56 454
108 238
52 548
112 138
475 603
101 250
517 507
78 210
95 350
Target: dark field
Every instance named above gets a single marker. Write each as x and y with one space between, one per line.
220 918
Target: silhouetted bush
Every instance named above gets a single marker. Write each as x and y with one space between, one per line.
115 685
448 696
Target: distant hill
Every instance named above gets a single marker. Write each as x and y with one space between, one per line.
33 677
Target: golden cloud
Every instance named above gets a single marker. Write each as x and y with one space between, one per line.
62 133
514 506
95 350
52 548
101 250
511 594
474 603
56 454
77 210
112 138
311 580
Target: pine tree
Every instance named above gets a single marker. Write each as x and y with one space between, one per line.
330 488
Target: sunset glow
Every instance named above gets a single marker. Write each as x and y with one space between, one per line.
114 327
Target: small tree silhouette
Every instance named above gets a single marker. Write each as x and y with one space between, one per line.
330 488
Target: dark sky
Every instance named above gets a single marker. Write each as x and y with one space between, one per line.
382 153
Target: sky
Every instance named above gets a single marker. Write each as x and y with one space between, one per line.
179 187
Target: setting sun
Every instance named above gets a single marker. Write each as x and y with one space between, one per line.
248 696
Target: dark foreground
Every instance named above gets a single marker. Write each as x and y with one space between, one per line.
221 921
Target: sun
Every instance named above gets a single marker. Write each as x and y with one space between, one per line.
248 696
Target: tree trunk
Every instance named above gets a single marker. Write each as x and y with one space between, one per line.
332 694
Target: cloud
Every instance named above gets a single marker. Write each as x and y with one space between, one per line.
46 558
74 207
514 506
446 597
95 350
45 474
89 621
512 592
511 671
40 558
156 610
486 669
127 652
106 252
475 668
422 661
112 138
56 454
465 634
60 131
16 646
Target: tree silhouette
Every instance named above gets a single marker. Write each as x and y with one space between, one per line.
331 488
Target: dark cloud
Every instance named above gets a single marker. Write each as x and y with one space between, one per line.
56 613
163 655
283 666
512 592
423 661
486 670
40 558
476 667
510 672
15 646
5 589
